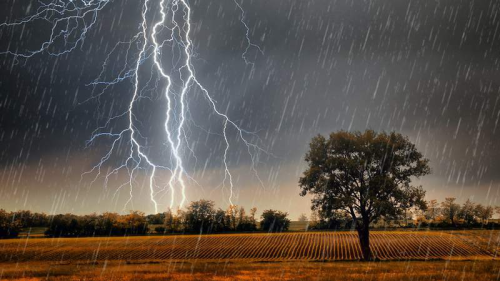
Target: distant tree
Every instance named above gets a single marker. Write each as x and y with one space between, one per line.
221 221
107 224
39 220
483 213
408 216
303 218
9 227
168 222
172 222
274 221
433 210
450 209
314 216
330 220
467 212
406 205
420 218
242 215
135 223
253 211
200 216
245 223
24 217
232 216
155 218
314 220
29 219
365 175
87 225
64 226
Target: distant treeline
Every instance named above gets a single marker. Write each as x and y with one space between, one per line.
449 213
199 217
442 215
203 217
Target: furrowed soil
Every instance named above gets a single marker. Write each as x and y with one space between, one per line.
400 255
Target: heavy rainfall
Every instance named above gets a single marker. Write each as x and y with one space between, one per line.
172 118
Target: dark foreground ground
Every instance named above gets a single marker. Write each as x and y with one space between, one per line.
343 271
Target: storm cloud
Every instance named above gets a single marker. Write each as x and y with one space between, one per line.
427 69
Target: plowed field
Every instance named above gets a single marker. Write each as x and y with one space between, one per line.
311 246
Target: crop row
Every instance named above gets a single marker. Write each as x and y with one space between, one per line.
258 247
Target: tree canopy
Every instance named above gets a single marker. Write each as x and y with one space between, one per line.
366 175
274 221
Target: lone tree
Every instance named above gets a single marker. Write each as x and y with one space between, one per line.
365 175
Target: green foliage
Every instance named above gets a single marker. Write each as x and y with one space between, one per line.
364 174
274 221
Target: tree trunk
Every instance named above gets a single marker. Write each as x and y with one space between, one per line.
364 240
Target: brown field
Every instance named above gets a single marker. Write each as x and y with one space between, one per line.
486 239
402 255
228 271
310 246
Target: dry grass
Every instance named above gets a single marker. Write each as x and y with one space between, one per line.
341 271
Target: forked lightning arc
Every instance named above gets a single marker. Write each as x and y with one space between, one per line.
71 21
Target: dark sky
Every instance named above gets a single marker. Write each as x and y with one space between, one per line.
427 69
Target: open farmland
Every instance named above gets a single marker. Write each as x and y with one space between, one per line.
484 239
311 246
478 270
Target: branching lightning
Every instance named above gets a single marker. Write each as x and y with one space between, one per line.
73 19
247 36
67 19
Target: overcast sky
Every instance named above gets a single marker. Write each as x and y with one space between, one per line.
427 69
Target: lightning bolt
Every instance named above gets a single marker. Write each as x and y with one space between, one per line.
247 36
73 18
67 18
